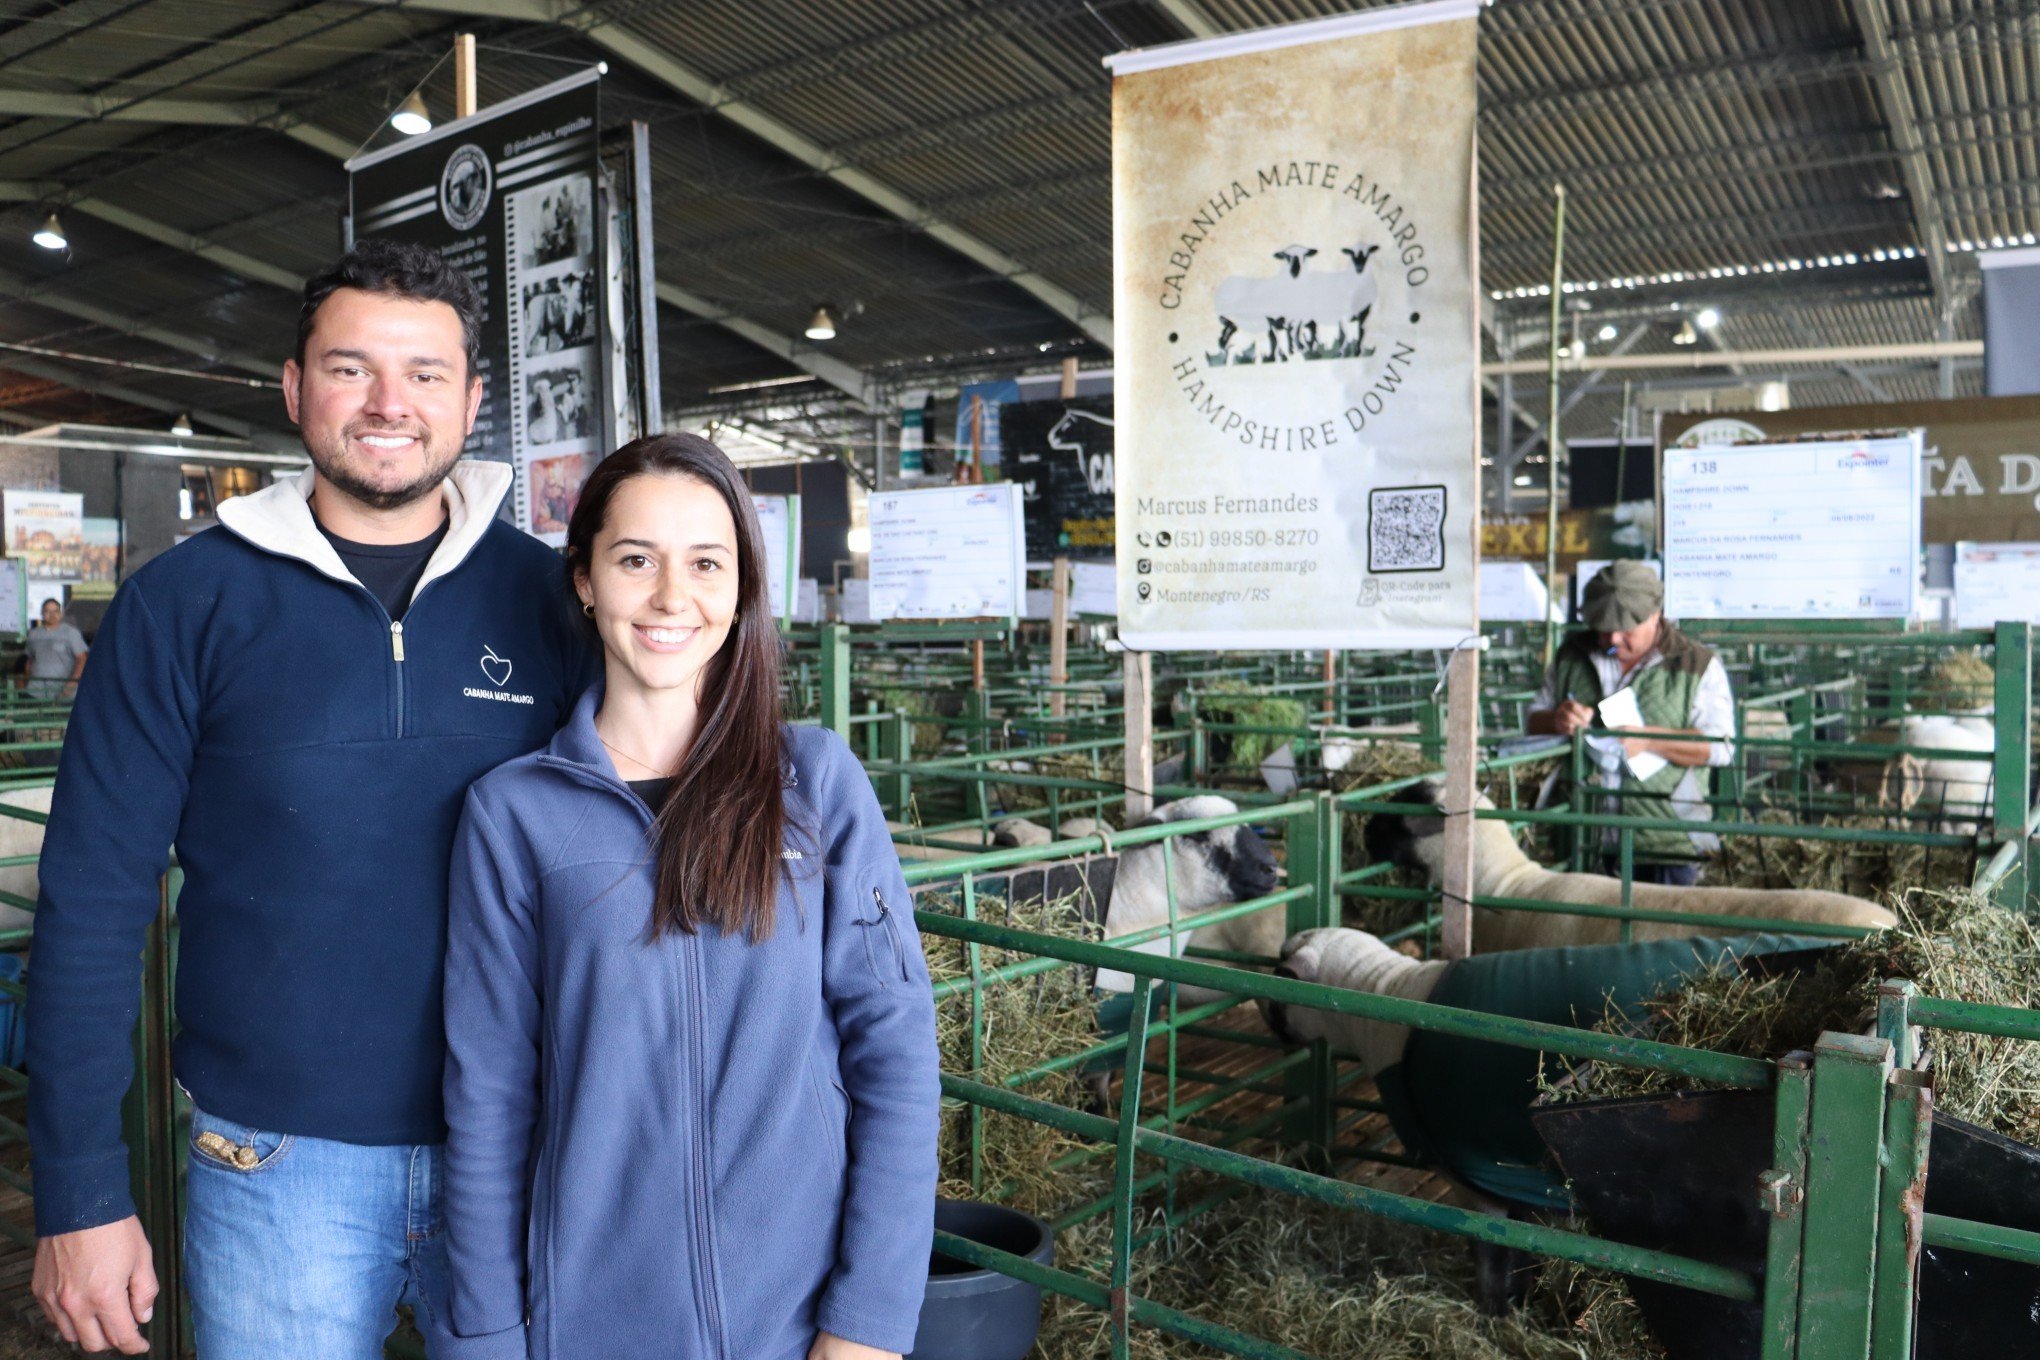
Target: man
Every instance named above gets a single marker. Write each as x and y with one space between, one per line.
299 699
55 654
1688 712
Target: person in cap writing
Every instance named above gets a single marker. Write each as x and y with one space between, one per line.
1682 690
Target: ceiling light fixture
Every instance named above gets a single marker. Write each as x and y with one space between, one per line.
411 117
1686 335
181 427
1709 318
50 236
821 326
1606 333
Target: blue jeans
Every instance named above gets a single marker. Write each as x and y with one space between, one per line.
303 1247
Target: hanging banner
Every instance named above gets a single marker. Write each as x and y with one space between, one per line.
510 196
913 434
978 409
1060 452
46 533
1297 334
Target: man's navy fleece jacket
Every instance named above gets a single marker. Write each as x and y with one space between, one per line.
253 703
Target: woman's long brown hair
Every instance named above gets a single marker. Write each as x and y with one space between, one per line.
720 835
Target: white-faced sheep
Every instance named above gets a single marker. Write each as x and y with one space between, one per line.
1501 869
1256 303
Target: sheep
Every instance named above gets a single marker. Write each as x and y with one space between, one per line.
1209 870
1328 301
1257 301
1501 869
1957 787
1020 831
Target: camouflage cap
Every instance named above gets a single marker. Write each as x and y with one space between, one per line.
1621 596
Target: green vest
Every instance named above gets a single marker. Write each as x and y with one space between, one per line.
1664 692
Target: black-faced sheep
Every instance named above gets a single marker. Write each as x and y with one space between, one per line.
1209 869
1501 869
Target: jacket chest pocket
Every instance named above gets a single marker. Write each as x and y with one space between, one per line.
884 947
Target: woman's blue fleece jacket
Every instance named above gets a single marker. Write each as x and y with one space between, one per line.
692 1147
251 701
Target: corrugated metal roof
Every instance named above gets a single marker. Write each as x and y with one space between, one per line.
1701 141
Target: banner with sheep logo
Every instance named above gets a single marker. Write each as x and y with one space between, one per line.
1297 335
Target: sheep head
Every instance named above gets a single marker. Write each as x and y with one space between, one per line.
1359 255
1228 864
1417 841
1294 256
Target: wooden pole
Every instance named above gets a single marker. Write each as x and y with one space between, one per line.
977 442
1069 378
1058 639
1140 736
464 103
1462 749
1331 683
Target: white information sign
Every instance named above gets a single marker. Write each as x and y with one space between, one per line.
1996 583
854 606
1094 588
809 608
950 552
1511 593
779 522
1039 604
1826 530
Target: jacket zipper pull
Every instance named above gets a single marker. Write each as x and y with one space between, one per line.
892 933
397 640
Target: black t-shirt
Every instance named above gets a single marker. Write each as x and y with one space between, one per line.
652 791
389 570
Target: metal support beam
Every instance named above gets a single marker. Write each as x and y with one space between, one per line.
1856 372
655 62
90 108
1579 393
834 372
84 382
166 336
1887 77
1832 354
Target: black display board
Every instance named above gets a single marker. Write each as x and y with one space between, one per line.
1061 454
512 196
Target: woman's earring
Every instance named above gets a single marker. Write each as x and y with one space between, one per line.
589 610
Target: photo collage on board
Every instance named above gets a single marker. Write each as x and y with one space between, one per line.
554 326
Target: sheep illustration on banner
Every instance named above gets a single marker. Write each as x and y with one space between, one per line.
1296 285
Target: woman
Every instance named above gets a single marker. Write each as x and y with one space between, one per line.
691 1086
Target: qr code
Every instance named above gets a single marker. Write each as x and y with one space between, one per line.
1406 528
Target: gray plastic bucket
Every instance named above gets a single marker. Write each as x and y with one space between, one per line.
974 1314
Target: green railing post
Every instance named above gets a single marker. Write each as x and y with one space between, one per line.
1908 1121
835 665
1123 1164
2012 759
1782 1194
1313 853
1895 1023
1844 1147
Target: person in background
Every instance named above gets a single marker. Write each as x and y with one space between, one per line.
692 1089
55 655
298 699
1682 690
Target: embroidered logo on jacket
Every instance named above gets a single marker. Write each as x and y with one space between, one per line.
497 670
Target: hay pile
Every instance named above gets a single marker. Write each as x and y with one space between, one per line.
1961 682
1236 701
1956 946
1026 1022
1333 1284
1882 873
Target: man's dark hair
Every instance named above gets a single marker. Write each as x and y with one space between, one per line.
397 269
